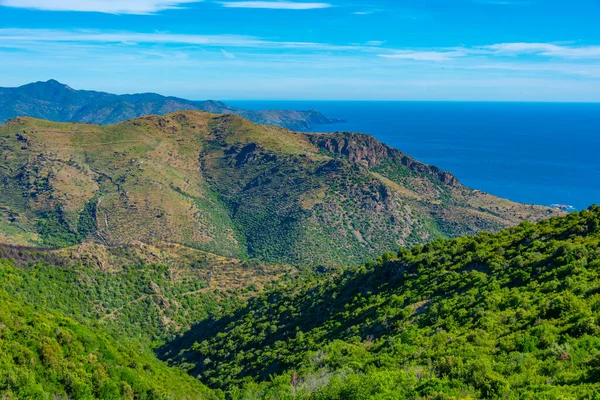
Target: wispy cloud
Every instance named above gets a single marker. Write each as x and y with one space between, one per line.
498 50
275 5
367 12
102 6
228 55
30 38
583 70
424 55
504 2
12 37
545 49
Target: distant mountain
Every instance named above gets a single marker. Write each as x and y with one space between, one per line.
222 184
55 101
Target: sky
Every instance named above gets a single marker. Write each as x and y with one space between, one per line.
462 50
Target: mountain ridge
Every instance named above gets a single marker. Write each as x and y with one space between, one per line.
56 101
225 185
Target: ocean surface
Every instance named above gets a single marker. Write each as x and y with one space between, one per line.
539 153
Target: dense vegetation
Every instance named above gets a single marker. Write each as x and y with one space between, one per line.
47 355
514 314
508 315
225 185
129 291
81 322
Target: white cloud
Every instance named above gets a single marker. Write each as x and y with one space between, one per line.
367 12
424 55
503 2
227 54
544 49
103 6
12 37
498 50
584 70
275 5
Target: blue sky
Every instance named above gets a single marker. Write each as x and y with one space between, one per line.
492 50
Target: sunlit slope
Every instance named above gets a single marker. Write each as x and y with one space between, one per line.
140 290
45 354
223 184
509 315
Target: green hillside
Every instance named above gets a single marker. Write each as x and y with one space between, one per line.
81 322
146 292
509 315
47 355
221 184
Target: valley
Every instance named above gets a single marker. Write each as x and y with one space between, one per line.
509 314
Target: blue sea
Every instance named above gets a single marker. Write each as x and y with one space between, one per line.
539 153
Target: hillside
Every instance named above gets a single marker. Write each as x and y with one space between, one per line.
509 315
58 102
45 354
222 184
142 291
81 322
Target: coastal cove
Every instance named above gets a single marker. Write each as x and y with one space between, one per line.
541 153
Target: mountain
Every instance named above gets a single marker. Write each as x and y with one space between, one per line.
56 101
509 315
222 184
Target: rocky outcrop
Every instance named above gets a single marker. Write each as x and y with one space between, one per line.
367 151
358 148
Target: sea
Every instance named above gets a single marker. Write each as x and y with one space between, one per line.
535 153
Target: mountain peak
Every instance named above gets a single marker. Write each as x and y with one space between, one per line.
51 90
56 84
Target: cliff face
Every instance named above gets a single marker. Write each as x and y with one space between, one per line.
58 102
367 151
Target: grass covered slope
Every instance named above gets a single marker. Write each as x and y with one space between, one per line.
222 184
509 315
47 355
